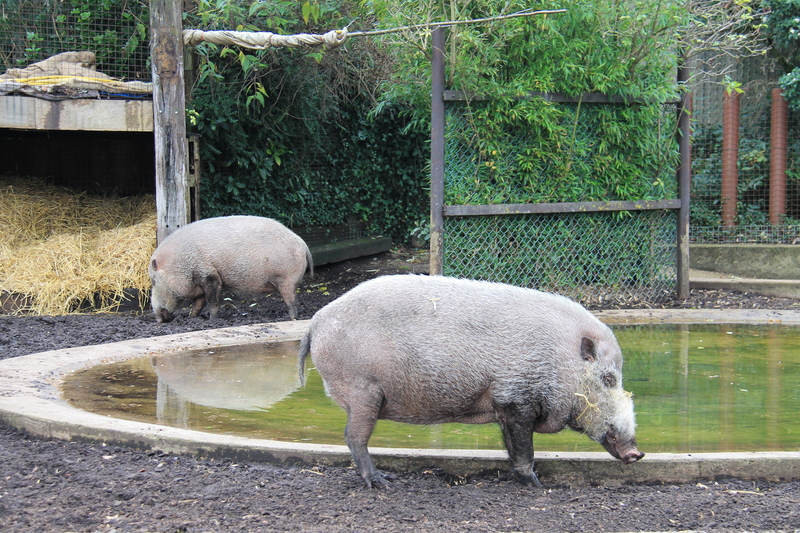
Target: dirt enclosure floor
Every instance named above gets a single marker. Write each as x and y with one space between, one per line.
69 486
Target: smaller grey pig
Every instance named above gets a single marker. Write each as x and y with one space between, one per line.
429 350
245 254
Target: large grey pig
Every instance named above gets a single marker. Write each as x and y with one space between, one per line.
429 350
245 254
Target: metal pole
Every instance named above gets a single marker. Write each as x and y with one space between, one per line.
437 153
684 184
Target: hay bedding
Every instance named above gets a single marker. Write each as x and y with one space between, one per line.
63 252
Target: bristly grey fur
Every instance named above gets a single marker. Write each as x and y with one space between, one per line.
432 349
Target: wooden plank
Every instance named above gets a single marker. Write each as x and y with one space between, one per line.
324 254
169 116
586 98
86 114
572 207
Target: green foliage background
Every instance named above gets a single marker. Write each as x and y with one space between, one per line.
287 134
515 149
319 137
314 138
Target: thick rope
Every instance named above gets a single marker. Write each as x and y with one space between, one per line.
332 39
264 39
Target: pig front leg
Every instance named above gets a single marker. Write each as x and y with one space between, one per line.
517 428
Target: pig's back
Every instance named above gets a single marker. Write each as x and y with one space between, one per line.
238 245
453 312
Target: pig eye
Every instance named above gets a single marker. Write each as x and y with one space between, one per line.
609 380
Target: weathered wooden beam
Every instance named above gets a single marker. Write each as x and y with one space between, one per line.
437 153
684 177
169 116
570 207
334 252
586 98
84 114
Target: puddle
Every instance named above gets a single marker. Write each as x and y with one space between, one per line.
697 388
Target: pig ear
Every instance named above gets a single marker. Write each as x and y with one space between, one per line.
588 351
155 265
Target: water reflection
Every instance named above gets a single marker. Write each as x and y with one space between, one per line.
696 388
239 378
714 387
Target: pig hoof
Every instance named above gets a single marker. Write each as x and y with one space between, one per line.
530 480
376 481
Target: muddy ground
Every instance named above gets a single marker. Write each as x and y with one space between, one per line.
70 486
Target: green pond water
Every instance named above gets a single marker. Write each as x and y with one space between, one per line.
697 388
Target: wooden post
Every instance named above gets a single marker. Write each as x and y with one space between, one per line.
777 157
684 184
169 116
437 153
193 175
730 157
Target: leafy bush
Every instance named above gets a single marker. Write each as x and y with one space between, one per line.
286 133
532 150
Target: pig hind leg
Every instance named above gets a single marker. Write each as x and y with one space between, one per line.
211 287
361 420
287 289
517 428
197 305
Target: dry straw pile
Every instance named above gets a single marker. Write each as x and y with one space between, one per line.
63 252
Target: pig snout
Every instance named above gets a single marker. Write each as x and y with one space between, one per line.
623 449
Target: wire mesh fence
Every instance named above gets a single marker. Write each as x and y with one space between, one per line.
758 76
592 257
528 167
116 32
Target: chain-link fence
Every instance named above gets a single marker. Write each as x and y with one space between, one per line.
592 257
757 76
116 32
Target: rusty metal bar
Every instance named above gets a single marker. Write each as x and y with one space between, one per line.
684 176
730 157
777 157
566 207
437 152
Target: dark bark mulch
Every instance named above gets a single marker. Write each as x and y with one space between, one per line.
71 486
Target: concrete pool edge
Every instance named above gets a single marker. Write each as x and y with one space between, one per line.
30 401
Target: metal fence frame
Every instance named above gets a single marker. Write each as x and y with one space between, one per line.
439 96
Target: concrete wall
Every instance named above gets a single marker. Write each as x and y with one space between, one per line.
761 261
